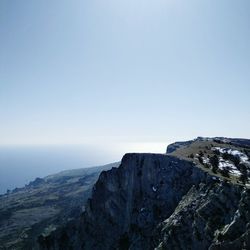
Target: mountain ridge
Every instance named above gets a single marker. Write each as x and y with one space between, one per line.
194 196
164 201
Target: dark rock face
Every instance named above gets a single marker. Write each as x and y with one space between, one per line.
208 217
157 201
129 202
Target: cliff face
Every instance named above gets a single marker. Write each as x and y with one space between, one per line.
212 216
129 202
158 201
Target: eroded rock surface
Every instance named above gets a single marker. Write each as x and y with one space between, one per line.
163 201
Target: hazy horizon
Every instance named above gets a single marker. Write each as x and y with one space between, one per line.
120 75
74 72
83 82
21 164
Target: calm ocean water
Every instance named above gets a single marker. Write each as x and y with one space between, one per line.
20 165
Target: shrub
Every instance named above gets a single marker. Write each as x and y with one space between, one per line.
242 167
243 178
235 160
225 172
217 152
200 159
201 153
214 160
191 156
226 156
214 169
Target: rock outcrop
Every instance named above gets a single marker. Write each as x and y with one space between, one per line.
177 145
159 201
212 216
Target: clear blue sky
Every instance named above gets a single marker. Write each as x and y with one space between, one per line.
88 71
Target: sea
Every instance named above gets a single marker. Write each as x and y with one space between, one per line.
21 164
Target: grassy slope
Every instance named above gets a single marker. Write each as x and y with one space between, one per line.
206 147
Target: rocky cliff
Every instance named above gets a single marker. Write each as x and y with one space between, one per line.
165 201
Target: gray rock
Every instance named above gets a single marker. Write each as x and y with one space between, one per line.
129 202
158 201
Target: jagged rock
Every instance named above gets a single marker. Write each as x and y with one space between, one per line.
161 201
128 202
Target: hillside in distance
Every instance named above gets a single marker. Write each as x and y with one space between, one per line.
43 205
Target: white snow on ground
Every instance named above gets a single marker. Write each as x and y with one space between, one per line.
205 160
229 166
243 157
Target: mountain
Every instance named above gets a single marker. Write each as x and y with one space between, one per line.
196 196
44 204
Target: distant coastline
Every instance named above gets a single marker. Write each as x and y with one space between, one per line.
20 165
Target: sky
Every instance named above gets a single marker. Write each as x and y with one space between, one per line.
142 72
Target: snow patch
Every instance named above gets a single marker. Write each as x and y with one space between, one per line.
228 166
243 157
205 160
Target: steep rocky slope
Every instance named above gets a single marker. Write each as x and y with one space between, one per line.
164 201
43 205
212 216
